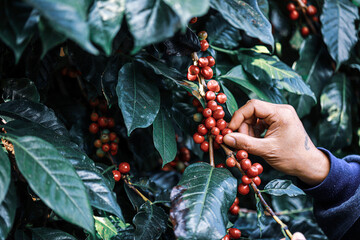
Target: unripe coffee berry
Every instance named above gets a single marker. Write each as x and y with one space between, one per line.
204 146
194 70
202 35
211 61
212 105
219 114
202 129
191 77
100 153
243 189
207 72
104 138
234 233
203 62
242 154
245 180
94 116
97 143
117 175
207 112
198 117
215 131
210 95
252 172
198 138
204 45
212 85
124 167
230 162
221 98
93 128
257 180
245 164
219 139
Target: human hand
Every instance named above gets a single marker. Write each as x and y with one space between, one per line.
297 236
286 145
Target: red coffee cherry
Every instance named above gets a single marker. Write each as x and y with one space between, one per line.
235 210
230 162
212 85
204 146
207 112
105 147
304 1
226 131
207 72
259 167
111 122
204 45
210 95
220 165
236 201
117 175
202 129
112 136
93 128
294 15
202 35
210 122
311 10
221 124
215 131
97 143
226 237
196 102
94 102
216 146
241 154
315 18
113 152
221 98
234 233
211 61
194 70
290 7
191 77
219 114
245 180
198 138
100 153
252 172
257 180
203 62
219 107
245 164
219 139
193 20
113 146
124 167
103 122
305 31
243 189
94 116
212 105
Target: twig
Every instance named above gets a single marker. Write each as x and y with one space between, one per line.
284 227
129 184
211 150
111 159
303 10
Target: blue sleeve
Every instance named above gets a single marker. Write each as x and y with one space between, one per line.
337 198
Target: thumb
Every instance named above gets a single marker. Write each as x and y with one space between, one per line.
298 236
256 146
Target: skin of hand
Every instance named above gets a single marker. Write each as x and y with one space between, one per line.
285 146
297 236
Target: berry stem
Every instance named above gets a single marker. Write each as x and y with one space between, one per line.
308 21
129 184
231 52
283 226
211 150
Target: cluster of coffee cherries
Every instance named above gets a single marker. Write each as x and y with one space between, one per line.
310 12
124 168
202 36
232 233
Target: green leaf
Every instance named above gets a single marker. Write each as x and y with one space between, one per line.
53 179
99 191
264 7
186 9
138 99
34 112
314 66
231 103
5 174
280 187
335 129
164 137
17 88
49 233
150 222
7 211
261 221
150 21
67 17
262 90
271 70
200 202
338 28
49 36
105 19
105 228
246 15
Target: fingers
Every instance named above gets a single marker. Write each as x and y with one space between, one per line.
252 110
298 236
256 146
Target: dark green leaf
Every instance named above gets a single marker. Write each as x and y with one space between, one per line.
231 103
338 28
17 88
5 174
53 179
73 26
105 19
335 130
7 211
35 112
200 202
221 33
150 21
264 7
49 36
314 66
150 222
139 99
164 137
49 233
135 200
261 90
246 15
186 9
271 70
261 221
183 113
104 227
280 187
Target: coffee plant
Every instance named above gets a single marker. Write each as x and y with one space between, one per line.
113 114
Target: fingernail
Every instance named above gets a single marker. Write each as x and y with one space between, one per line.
229 140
